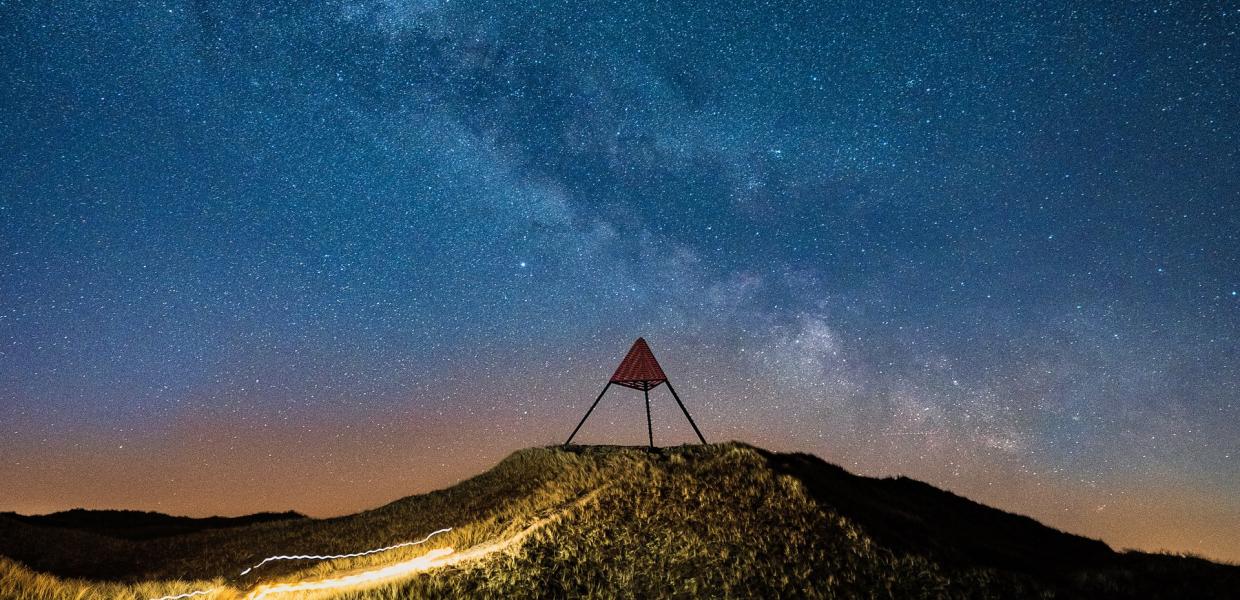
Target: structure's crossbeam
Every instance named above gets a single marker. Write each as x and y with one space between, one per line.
641 385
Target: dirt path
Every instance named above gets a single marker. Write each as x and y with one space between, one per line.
441 557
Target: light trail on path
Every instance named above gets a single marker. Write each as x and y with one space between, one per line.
353 555
310 557
186 594
440 557
434 559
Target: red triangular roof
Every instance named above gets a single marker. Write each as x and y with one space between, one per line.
639 370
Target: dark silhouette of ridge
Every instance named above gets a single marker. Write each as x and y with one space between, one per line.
912 516
142 525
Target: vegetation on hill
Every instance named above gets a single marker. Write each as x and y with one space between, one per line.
717 521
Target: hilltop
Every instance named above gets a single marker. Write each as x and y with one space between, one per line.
720 521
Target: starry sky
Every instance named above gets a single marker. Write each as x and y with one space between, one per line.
322 255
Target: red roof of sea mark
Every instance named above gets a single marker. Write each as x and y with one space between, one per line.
639 366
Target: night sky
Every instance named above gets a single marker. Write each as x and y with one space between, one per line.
322 255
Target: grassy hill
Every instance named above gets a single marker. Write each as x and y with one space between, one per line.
717 521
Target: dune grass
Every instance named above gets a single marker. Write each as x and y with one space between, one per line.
717 521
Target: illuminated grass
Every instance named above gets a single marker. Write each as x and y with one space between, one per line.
719 521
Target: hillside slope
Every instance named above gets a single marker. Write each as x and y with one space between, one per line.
719 521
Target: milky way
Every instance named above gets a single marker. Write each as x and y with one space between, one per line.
260 256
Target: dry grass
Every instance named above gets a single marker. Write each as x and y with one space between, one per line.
713 521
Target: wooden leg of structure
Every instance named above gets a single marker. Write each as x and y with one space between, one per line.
684 410
583 419
649 426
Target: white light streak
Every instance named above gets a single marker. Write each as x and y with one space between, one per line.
317 557
186 595
352 555
439 557
357 580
